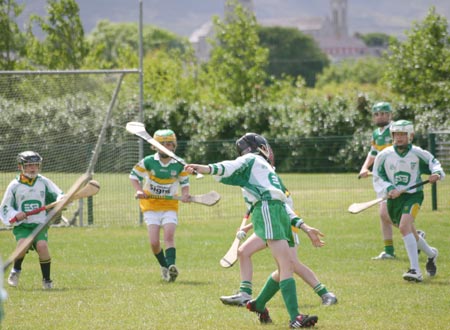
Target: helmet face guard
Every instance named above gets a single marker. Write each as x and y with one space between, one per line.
254 143
29 158
402 126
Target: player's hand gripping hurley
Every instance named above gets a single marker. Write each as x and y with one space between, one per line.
138 129
231 256
359 207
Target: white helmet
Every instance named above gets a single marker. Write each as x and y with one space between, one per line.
402 126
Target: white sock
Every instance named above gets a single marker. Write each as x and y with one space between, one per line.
423 246
411 249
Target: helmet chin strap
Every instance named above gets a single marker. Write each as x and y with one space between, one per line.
29 175
264 152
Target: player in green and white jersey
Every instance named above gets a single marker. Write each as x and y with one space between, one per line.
27 192
396 168
253 244
252 172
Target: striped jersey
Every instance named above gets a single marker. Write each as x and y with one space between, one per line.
393 170
381 138
24 195
159 179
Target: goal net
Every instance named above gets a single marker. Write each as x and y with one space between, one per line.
61 115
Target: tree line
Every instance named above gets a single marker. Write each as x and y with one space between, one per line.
242 88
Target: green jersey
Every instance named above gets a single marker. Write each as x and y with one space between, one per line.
394 170
254 174
381 138
264 189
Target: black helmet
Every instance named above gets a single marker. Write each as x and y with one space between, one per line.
29 157
253 143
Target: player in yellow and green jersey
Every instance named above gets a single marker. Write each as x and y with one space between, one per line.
381 138
160 175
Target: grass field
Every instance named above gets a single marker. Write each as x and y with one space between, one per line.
105 277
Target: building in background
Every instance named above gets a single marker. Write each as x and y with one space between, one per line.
330 33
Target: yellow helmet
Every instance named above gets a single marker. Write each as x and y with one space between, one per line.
165 135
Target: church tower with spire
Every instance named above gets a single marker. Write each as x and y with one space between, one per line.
339 17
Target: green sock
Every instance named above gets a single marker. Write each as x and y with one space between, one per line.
268 291
170 256
289 293
161 259
320 289
246 286
389 247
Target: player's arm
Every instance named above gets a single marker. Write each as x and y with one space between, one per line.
381 183
314 234
185 197
436 170
7 209
135 183
365 169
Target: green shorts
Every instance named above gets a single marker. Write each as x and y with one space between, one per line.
25 229
404 204
271 221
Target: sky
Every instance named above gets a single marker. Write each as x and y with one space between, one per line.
184 16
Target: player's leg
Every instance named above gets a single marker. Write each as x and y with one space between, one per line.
271 222
406 229
169 223
408 205
45 260
45 263
310 278
386 231
252 245
20 233
152 219
280 251
431 252
14 274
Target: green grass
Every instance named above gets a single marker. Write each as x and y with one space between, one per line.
105 277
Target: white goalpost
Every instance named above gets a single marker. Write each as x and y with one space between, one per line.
74 119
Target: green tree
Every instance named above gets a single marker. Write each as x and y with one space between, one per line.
115 45
12 43
236 70
64 46
169 77
363 71
419 70
375 39
292 53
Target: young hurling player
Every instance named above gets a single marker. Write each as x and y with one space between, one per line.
381 139
396 168
158 174
28 191
271 221
254 244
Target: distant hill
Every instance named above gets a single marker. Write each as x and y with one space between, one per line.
184 16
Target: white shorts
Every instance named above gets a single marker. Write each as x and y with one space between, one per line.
160 218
